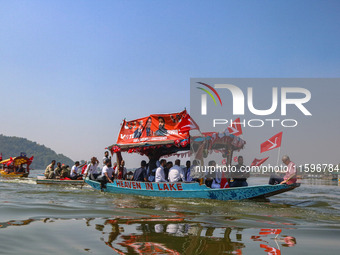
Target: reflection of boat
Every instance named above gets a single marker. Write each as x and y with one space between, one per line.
16 167
191 190
41 179
169 236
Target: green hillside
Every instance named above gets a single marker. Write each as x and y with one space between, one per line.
12 146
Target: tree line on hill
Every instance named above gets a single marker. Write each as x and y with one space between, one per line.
11 146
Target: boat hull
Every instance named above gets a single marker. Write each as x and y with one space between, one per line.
191 190
59 182
13 175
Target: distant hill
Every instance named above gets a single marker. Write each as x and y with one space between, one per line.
12 146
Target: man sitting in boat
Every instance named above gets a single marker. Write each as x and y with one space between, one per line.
106 175
121 171
209 177
57 170
167 168
160 175
290 176
140 173
187 171
65 171
49 171
91 169
74 171
107 172
240 175
176 173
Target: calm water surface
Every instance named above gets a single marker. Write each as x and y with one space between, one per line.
47 219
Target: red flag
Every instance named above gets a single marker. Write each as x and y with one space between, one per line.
272 143
224 182
235 128
270 250
270 231
187 124
258 162
83 169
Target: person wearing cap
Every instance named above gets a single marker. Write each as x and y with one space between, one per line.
91 169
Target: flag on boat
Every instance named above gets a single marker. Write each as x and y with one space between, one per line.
272 143
258 162
187 124
235 128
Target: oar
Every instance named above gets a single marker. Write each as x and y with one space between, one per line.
82 184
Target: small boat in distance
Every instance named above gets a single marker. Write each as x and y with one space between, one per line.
16 167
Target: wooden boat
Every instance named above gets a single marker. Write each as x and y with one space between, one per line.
16 167
190 190
172 138
42 180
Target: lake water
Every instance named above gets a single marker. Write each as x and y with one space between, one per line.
47 219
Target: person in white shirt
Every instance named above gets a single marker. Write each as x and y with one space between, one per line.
107 172
160 175
176 172
106 175
74 171
91 169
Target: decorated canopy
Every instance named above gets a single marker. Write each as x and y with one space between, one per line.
17 161
164 134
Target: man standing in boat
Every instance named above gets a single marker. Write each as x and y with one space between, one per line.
240 175
106 156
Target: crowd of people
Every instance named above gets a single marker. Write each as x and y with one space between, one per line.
160 171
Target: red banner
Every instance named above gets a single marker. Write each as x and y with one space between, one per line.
272 143
155 128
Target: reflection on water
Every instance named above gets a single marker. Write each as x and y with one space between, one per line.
173 236
45 218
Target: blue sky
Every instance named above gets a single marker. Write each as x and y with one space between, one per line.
72 70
